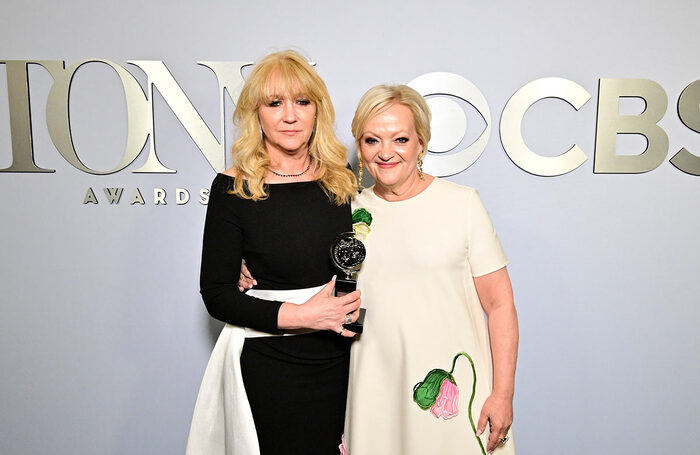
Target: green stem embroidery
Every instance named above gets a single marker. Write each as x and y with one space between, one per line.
471 399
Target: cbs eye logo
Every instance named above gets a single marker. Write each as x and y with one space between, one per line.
447 152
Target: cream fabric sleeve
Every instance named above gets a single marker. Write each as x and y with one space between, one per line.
484 251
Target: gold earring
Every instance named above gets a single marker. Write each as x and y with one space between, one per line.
420 167
359 175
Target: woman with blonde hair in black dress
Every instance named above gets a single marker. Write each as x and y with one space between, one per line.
276 382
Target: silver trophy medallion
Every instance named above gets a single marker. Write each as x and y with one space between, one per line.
347 253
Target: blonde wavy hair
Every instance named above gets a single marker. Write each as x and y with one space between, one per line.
381 97
250 157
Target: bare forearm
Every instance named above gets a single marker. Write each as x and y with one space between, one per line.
289 317
503 333
496 296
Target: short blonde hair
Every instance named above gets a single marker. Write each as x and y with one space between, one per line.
250 158
381 97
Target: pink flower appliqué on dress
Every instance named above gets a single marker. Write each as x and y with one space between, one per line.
341 447
439 393
446 403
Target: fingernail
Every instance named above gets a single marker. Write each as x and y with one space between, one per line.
478 433
255 282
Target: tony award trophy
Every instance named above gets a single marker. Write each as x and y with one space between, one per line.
347 253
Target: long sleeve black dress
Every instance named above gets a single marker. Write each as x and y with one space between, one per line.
296 385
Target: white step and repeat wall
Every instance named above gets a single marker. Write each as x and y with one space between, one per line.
103 336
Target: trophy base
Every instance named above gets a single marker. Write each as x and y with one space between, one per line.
344 286
357 326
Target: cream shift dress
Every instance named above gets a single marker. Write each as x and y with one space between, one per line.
422 312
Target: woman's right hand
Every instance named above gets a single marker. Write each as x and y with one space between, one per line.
245 279
323 311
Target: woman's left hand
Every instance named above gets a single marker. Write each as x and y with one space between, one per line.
496 296
498 411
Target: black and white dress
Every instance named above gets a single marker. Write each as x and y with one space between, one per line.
295 385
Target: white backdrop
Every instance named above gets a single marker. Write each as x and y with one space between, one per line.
103 335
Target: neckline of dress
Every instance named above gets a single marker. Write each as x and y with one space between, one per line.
274 183
412 198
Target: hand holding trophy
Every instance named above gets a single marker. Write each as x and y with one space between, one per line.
347 253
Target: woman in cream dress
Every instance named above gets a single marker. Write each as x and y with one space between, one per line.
433 372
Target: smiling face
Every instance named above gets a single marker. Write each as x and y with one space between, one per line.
287 119
390 147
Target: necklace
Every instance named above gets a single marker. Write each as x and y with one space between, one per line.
292 175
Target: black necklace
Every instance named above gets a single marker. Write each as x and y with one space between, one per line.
292 175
